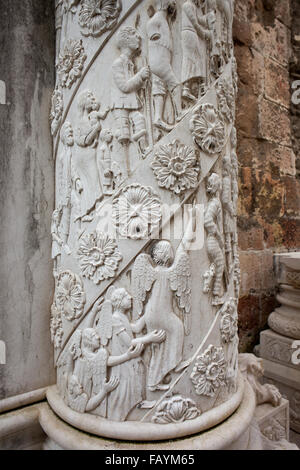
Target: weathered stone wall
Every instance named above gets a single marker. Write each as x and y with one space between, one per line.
269 208
27 193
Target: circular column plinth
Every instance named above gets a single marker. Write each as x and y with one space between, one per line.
222 436
285 320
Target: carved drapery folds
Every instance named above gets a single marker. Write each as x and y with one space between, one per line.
144 320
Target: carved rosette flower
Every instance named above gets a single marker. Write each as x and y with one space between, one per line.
56 327
209 371
229 322
176 410
98 16
176 167
70 63
136 212
69 295
226 98
57 107
98 256
208 129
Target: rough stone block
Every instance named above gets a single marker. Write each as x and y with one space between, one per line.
274 123
250 69
277 87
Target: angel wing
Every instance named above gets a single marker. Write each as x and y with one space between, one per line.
180 283
143 276
103 322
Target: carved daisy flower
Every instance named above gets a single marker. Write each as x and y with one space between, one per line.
70 63
229 322
176 167
98 256
98 16
57 107
207 128
176 410
209 371
69 295
136 212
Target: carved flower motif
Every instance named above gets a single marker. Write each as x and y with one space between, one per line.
228 323
69 296
57 107
56 327
99 256
226 99
176 410
175 167
207 128
136 212
209 371
98 16
70 63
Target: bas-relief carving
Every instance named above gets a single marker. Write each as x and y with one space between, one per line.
70 62
176 167
98 16
136 212
132 346
252 369
176 409
209 372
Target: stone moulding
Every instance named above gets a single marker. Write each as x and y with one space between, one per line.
131 430
222 437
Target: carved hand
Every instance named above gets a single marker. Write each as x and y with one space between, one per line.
135 351
111 384
157 336
145 73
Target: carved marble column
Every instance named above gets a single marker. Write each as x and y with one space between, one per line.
144 317
280 346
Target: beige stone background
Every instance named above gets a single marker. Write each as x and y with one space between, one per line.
267 48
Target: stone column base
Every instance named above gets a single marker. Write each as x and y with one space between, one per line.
240 431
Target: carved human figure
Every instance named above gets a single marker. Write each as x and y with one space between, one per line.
222 32
85 152
214 239
64 179
130 374
226 8
160 51
194 36
125 102
228 210
164 277
89 375
104 161
235 196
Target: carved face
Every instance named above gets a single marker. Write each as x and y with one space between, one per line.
134 42
91 339
213 184
91 103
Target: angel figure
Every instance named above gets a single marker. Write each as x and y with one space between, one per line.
156 280
113 325
88 381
